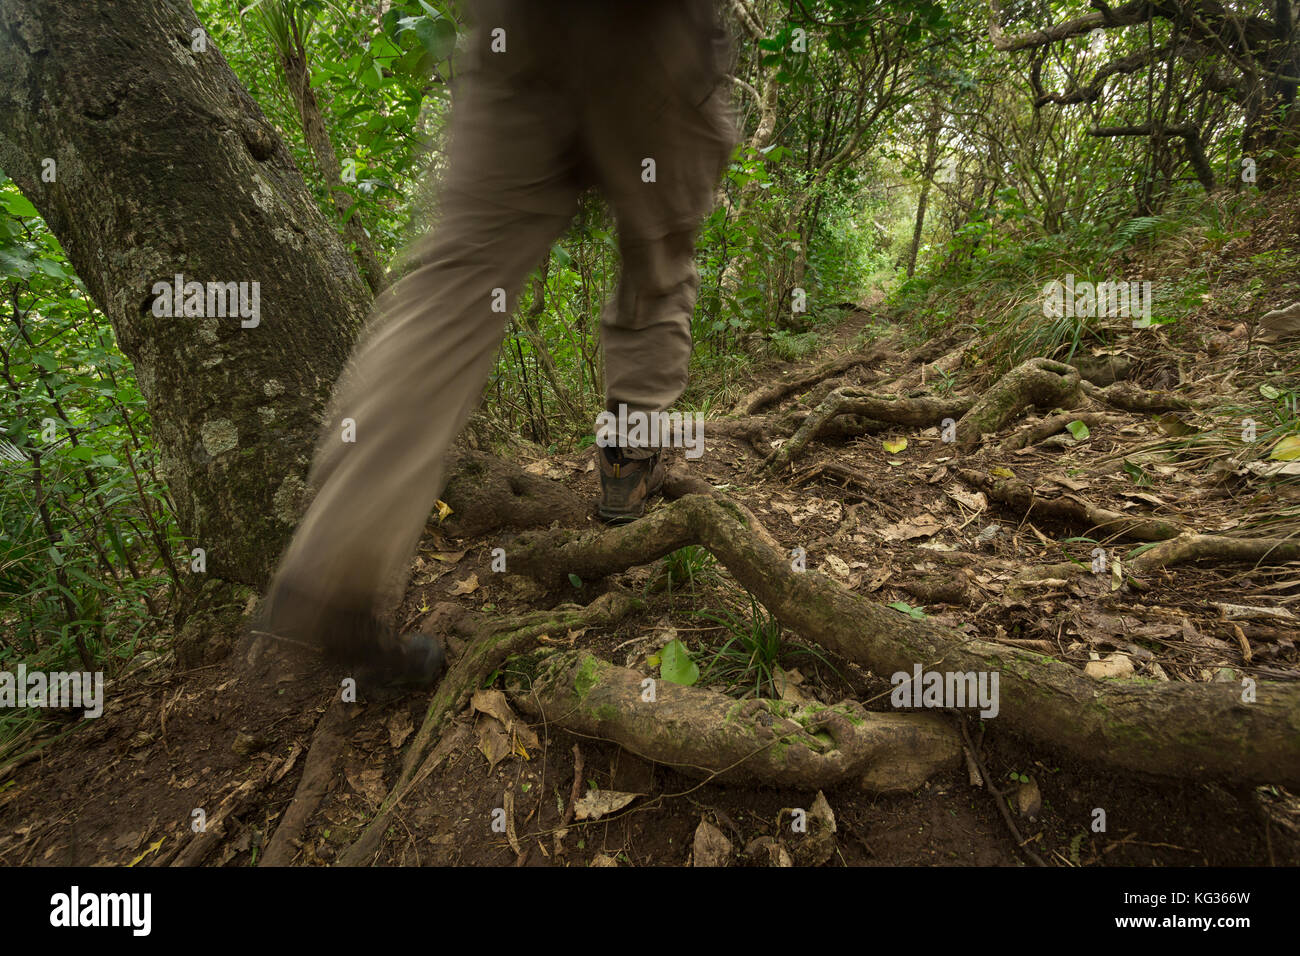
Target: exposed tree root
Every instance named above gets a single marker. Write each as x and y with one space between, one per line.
318 770
1039 381
917 412
837 470
214 831
1033 434
1072 510
363 850
1178 729
1189 547
490 647
1128 397
487 493
768 742
1183 549
760 399
759 430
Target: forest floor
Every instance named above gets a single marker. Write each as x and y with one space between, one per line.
897 524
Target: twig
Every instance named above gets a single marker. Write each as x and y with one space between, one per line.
1002 803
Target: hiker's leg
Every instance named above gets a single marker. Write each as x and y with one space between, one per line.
646 327
419 371
660 136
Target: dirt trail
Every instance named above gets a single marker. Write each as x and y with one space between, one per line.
898 522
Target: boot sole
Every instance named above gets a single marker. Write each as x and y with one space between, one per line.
618 517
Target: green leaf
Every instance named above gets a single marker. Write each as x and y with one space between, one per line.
15 264
1268 391
1288 449
1078 429
915 613
676 665
18 205
575 580
1136 473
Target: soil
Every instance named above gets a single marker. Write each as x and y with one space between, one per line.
124 789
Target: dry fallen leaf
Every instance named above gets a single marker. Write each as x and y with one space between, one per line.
493 704
493 741
399 728
974 501
919 527
835 566
468 586
446 557
1028 799
787 686
370 784
1114 666
712 848
594 804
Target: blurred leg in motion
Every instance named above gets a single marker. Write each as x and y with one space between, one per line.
417 375
582 92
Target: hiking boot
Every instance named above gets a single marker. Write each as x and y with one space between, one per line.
355 639
626 484
414 660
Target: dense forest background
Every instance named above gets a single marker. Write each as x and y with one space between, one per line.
933 163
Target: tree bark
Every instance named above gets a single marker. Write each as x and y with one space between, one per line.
164 165
1223 731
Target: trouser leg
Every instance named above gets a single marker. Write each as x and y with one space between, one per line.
415 380
646 329
659 133
418 374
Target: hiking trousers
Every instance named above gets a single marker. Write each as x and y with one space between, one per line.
555 97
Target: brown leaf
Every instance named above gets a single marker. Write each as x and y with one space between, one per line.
399 728
712 848
1114 666
595 804
1028 799
921 526
467 586
493 703
370 784
493 741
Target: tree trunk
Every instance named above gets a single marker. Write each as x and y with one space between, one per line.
931 158
164 165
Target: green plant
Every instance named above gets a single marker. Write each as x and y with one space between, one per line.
754 651
793 346
686 566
